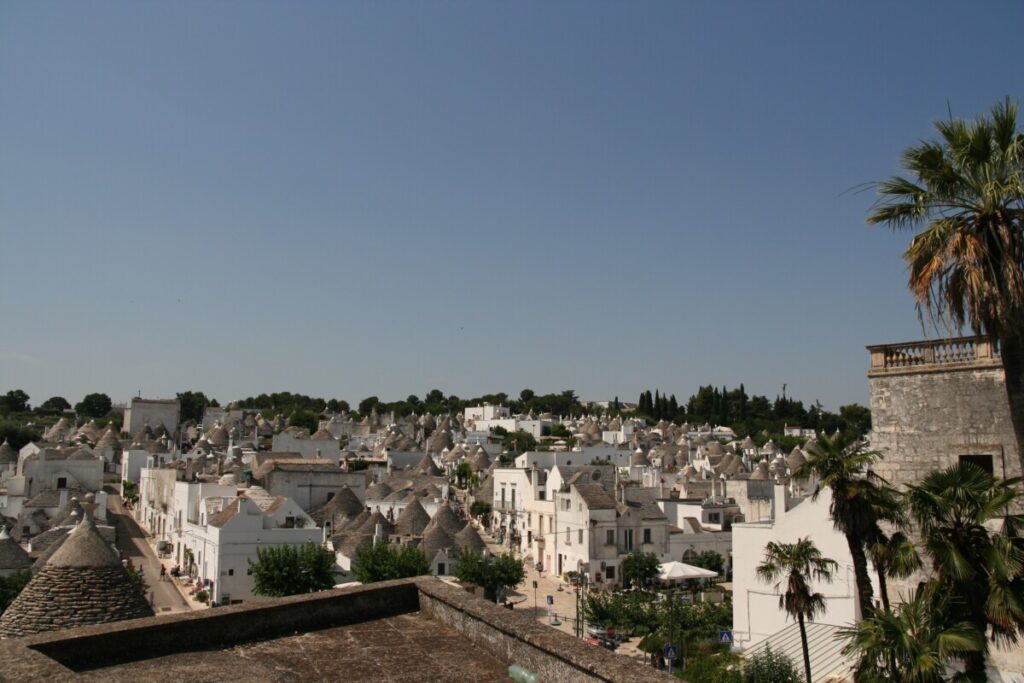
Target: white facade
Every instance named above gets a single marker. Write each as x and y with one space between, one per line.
326 449
229 531
756 612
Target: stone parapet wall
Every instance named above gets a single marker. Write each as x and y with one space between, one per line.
520 639
935 401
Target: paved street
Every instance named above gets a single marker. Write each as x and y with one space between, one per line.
131 540
564 600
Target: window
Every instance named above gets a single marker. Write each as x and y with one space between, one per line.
330 495
62 482
551 525
580 538
513 498
714 517
609 572
568 538
26 530
647 535
982 461
440 568
231 572
609 537
541 494
627 540
502 496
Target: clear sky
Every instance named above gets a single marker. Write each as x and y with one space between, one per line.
355 198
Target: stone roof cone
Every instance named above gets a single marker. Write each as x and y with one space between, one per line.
12 556
412 520
84 583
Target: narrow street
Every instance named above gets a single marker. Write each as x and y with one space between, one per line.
131 540
563 601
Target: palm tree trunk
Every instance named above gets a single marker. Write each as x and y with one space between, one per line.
1012 349
860 571
803 642
883 587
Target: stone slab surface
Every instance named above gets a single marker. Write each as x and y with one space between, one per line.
408 647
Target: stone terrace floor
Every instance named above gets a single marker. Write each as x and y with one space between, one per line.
409 647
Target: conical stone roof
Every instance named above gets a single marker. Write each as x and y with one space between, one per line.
412 520
469 539
435 538
427 466
84 583
7 453
447 520
13 557
344 504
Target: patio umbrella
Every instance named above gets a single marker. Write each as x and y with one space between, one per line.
679 571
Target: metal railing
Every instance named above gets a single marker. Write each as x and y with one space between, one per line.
934 353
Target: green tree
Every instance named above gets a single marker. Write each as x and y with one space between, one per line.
709 559
193 405
387 561
94 405
129 491
14 401
520 442
912 644
304 418
981 569
791 567
641 569
367 405
492 573
11 585
857 496
965 195
770 667
55 403
336 406
291 569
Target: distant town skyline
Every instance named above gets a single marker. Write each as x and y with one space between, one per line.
345 200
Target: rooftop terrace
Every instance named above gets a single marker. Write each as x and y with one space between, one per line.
939 355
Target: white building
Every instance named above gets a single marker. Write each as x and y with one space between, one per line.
756 612
220 546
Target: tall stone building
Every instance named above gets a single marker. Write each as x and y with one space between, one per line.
938 403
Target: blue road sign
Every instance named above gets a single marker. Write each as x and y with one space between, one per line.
618 637
671 652
551 599
725 637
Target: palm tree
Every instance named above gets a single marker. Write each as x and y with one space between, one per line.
912 644
966 196
983 569
859 498
796 565
892 556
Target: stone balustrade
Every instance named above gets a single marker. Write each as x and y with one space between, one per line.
933 355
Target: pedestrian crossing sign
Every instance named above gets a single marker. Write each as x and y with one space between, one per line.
725 637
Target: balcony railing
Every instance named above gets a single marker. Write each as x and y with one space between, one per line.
933 355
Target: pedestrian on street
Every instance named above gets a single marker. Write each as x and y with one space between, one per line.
163 573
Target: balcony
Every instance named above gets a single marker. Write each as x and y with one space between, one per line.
938 355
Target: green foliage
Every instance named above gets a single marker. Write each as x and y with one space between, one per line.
492 573
561 431
11 585
94 405
336 406
193 405
770 667
17 435
130 491
715 667
386 561
304 418
630 612
284 402
367 405
480 508
357 464
56 404
14 401
709 559
520 442
289 569
640 569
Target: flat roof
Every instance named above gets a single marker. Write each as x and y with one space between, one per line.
408 647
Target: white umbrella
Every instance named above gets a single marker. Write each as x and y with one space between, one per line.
679 571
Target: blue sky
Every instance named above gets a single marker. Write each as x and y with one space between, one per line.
345 199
